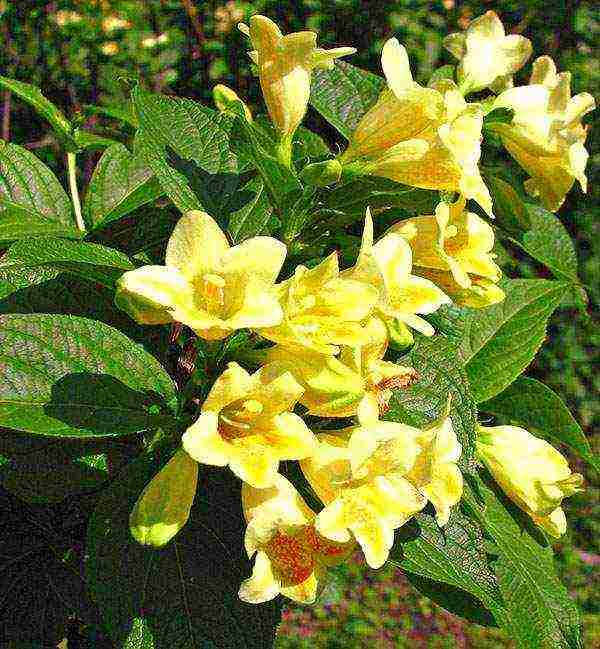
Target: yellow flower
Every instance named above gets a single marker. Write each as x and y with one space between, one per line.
422 137
225 99
387 266
455 243
488 58
291 556
285 65
358 379
361 476
546 136
164 506
435 472
321 309
532 473
246 423
206 284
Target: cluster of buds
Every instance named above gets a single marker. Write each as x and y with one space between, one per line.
326 330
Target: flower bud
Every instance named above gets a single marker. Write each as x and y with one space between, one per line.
532 473
227 99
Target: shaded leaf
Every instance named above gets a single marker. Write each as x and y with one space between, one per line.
253 218
74 377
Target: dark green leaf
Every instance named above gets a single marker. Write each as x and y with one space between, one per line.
73 377
251 219
500 341
87 260
534 406
440 374
344 94
123 114
92 141
541 614
32 201
33 96
308 146
184 595
121 183
509 207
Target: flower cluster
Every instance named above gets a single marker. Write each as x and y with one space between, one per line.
325 331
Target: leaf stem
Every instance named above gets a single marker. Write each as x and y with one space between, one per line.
72 169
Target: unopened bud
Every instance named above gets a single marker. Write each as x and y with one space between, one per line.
227 100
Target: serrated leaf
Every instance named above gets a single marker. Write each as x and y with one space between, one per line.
453 556
32 201
87 260
39 590
534 406
121 183
184 596
440 373
195 133
541 613
502 340
253 218
34 97
73 377
344 94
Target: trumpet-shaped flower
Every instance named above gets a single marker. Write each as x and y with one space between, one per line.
291 556
423 137
206 284
453 242
246 423
361 476
285 65
387 266
359 378
488 57
546 136
164 506
532 473
321 309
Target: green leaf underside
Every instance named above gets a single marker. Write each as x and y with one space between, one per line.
440 374
501 341
195 133
534 406
87 260
34 97
344 94
121 182
541 614
32 201
73 377
184 595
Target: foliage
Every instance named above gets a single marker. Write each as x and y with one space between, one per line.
94 404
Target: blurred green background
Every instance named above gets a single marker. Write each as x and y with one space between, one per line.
83 53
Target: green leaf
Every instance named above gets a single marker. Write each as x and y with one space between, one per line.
344 94
183 595
509 207
442 73
73 377
253 218
121 183
39 591
440 373
48 471
194 133
32 201
92 141
123 114
454 557
34 97
549 242
541 614
87 260
534 406
502 340
308 146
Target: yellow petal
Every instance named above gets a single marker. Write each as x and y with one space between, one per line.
328 468
256 258
257 307
253 463
396 66
196 245
304 592
262 585
203 442
278 389
164 506
233 384
293 440
444 490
